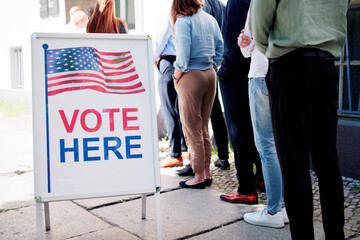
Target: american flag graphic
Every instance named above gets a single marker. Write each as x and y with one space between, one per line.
71 69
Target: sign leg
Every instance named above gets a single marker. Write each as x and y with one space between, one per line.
143 212
47 216
39 229
158 215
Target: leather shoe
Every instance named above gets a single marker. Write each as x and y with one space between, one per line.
171 162
222 164
200 185
240 198
188 171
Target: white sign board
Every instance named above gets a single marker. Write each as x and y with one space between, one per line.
94 114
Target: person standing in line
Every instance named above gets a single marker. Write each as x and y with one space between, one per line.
164 57
78 20
216 9
301 39
234 91
274 215
103 19
199 48
90 10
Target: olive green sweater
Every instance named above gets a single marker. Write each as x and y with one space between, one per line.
281 26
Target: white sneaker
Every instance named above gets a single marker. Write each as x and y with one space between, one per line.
263 218
286 218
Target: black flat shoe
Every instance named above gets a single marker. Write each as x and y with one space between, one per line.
201 185
208 182
188 171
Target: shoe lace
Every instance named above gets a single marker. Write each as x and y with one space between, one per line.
264 211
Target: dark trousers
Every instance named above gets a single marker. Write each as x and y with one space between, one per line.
219 128
169 108
234 92
303 106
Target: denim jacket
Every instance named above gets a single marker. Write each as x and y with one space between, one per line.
198 42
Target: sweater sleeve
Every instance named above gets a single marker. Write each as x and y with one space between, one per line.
262 15
183 44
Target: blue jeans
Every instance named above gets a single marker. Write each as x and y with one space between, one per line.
264 141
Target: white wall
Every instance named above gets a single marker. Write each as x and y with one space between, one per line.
21 18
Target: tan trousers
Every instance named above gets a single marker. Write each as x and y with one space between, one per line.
196 93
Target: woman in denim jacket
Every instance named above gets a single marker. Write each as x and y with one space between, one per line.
199 48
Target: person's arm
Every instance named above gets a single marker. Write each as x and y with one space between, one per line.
219 50
162 38
262 14
246 45
177 74
124 28
183 44
244 40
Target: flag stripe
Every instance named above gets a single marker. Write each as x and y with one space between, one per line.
114 61
94 81
122 80
118 72
96 88
117 67
110 53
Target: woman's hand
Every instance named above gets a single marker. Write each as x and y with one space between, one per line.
177 74
243 40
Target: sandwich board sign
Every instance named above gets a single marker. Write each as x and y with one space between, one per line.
94 118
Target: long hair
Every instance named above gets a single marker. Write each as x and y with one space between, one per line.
185 8
103 19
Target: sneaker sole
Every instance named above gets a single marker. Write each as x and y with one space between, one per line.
242 202
265 224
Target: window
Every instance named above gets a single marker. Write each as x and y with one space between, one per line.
349 68
125 9
17 68
49 8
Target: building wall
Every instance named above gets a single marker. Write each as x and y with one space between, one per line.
21 18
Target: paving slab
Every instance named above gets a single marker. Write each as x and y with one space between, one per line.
169 182
112 233
66 220
244 231
184 212
16 190
16 162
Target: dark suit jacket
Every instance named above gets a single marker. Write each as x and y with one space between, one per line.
234 22
216 9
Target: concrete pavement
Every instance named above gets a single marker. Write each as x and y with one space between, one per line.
185 213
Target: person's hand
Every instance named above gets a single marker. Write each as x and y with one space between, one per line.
243 40
156 62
